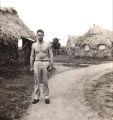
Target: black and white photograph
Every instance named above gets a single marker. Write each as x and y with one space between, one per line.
56 59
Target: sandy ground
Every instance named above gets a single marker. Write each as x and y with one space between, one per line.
67 95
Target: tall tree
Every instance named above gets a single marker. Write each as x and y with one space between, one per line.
56 45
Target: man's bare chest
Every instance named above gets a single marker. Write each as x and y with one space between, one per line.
41 48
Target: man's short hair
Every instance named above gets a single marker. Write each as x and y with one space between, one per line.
40 30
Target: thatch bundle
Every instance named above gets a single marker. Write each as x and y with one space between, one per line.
10 10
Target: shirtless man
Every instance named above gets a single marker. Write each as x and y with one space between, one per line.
41 58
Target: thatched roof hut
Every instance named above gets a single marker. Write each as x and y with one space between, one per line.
13 29
96 36
96 42
71 43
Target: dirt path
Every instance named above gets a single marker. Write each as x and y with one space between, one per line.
67 96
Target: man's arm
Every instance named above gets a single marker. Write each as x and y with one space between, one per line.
51 55
32 57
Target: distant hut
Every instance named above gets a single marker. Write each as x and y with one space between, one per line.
97 43
15 37
71 43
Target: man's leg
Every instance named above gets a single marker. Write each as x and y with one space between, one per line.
37 73
45 83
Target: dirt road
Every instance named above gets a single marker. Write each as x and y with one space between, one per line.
67 96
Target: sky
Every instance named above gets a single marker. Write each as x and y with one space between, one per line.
61 18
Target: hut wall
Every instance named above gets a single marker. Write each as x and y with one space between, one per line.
89 53
10 54
8 51
80 52
104 53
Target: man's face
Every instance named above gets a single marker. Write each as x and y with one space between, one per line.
40 36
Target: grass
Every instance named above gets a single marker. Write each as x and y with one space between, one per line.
16 87
76 61
100 96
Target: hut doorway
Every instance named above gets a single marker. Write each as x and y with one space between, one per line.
24 50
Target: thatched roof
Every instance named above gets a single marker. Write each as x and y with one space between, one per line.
72 40
92 37
11 26
96 36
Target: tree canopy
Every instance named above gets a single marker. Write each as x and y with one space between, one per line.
56 45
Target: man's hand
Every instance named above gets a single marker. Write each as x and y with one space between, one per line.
31 69
49 68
